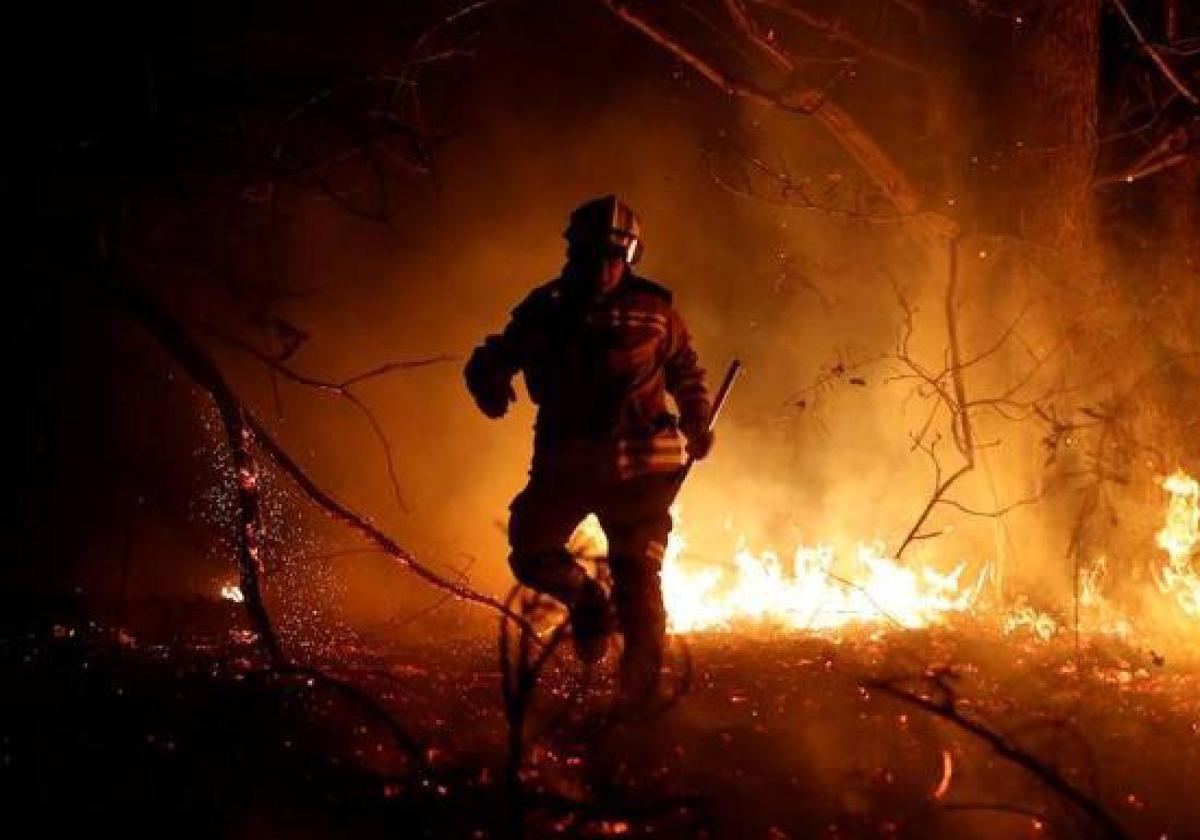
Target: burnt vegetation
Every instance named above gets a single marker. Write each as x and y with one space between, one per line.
1045 157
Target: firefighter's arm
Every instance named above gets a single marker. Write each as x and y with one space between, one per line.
491 368
685 382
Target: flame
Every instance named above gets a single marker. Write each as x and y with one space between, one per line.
1090 582
232 592
806 594
813 591
1178 538
1042 626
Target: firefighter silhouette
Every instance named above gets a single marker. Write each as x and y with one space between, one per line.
600 349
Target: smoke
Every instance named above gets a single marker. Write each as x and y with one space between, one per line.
818 441
795 294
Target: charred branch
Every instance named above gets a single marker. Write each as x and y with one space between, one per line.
940 699
171 335
797 98
343 389
838 32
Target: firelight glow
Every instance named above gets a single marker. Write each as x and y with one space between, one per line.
813 591
807 594
1179 537
232 592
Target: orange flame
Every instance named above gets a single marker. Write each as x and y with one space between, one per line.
943 785
812 591
805 594
232 592
1179 537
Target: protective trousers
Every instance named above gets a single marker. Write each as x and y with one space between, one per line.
635 515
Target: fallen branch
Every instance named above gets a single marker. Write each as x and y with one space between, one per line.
945 708
340 389
204 371
240 432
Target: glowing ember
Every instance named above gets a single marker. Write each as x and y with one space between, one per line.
943 785
231 592
1179 537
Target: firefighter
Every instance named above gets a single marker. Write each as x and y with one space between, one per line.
600 349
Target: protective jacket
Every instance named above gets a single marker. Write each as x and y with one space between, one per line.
599 370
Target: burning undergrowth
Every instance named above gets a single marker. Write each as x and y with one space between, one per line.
839 690
811 695
779 735
815 589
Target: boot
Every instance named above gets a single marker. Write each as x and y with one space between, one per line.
641 668
590 622
637 592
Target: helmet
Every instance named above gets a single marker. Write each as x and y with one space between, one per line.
609 223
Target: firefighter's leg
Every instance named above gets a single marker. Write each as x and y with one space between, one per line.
542 519
637 520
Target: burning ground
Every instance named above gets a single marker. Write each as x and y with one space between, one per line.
885 702
939 577
778 736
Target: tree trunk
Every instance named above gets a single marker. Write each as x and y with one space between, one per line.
1055 102
1049 199
1178 240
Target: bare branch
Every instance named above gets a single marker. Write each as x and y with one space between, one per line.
1173 148
1153 54
964 436
795 193
940 488
798 98
766 45
838 32
341 389
205 372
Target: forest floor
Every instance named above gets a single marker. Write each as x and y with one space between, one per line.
778 736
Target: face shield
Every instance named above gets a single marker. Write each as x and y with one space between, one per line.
603 229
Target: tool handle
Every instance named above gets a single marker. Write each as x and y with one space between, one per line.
731 375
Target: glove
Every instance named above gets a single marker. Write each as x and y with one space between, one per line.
492 392
494 400
700 444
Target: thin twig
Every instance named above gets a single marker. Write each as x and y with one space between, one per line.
947 710
1153 54
797 98
341 389
205 372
